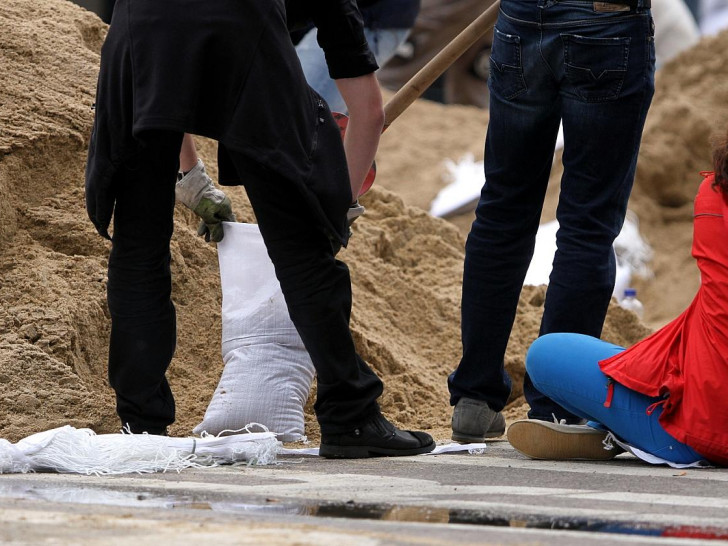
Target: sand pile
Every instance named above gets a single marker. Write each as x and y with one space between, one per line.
406 266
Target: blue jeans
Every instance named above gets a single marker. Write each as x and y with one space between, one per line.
552 61
382 41
565 367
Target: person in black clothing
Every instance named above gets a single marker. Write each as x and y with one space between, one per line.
235 79
386 25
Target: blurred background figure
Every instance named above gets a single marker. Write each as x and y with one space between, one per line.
439 21
713 16
387 24
694 7
676 29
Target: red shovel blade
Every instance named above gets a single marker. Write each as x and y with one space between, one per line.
342 120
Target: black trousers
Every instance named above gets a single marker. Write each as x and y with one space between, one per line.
316 286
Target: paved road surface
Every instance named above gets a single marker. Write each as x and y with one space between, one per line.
495 498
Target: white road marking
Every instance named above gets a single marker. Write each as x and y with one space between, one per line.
614 468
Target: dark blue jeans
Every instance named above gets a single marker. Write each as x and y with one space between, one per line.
594 71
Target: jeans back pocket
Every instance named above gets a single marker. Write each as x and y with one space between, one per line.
595 67
506 66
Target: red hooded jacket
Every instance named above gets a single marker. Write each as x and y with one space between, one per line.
687 360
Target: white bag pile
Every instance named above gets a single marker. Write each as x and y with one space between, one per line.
81 451
268 372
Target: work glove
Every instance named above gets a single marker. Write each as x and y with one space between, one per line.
355 210
197 192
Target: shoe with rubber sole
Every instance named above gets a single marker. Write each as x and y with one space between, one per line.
554 441
473 421
376 438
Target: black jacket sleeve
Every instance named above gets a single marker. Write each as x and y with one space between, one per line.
340 35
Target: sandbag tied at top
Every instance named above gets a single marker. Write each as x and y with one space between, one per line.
268 372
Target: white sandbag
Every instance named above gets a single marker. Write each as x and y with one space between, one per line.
463 192
268 372
633 255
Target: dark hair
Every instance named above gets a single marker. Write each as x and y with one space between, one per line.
720 163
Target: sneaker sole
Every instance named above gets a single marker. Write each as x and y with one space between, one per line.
550 441
365 452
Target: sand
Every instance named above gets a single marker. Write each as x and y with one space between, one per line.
406 266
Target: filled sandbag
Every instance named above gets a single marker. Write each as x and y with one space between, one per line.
268 372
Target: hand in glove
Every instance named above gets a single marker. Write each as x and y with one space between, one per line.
196 191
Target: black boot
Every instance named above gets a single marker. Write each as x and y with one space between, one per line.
375 438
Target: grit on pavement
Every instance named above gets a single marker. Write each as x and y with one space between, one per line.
497 497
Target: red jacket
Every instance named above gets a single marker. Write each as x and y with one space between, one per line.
687 360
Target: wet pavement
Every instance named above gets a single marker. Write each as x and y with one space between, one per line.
498 497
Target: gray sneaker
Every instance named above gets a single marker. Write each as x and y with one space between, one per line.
473 421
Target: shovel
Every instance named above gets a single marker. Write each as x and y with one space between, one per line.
417 85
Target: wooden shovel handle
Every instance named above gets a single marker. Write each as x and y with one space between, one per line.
419 83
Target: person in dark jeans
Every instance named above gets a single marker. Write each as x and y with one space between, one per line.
235 79
590 65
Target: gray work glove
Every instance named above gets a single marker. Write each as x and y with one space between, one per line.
355 210
196 191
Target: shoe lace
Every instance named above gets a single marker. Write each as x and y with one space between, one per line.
609 441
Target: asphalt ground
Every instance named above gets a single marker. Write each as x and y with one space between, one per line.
498 497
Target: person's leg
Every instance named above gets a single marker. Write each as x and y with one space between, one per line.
143 325
519 146
383 43
317 289
565 368
694 7
603 120
316 71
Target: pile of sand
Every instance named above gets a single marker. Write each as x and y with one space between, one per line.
406 266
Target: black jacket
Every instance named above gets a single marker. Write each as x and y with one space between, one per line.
340 34
226 70
375 14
